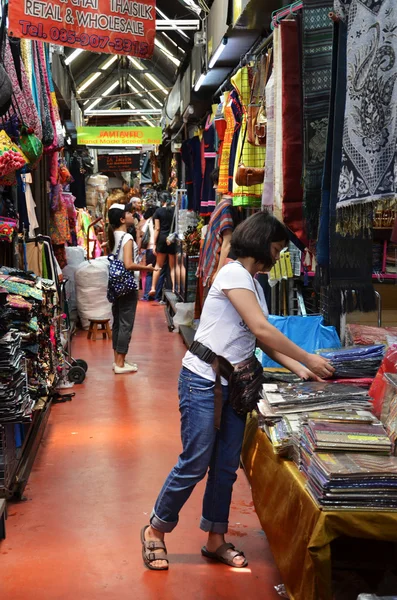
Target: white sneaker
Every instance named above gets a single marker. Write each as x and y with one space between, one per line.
134 366
126 369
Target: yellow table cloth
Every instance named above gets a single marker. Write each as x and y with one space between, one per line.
299 533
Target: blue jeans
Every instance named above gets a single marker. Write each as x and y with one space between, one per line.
204 449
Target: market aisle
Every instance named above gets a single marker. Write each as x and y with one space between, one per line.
103 459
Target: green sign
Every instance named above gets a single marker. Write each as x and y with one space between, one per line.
118 136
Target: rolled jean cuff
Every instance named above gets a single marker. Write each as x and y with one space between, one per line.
210 526
160 525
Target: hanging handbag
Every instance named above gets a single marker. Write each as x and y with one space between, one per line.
172 236
121 281
31 146
248 176
146 236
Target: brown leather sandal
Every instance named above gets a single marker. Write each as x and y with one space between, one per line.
148 554
223 555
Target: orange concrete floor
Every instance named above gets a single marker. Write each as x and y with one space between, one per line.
103 459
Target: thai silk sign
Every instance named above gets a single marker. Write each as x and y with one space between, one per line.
110 26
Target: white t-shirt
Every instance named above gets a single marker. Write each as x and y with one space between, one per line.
221 328
127 237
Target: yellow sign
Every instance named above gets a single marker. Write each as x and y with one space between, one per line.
118 136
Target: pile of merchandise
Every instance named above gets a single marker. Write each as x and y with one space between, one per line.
353 481
29 310
15 403
355 361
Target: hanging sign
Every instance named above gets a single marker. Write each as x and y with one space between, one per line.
110 26
115 163
118 136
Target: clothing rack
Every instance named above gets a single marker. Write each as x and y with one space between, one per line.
282 13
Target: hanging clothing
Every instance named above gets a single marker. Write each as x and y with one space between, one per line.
191 156
77 187
220 126
316 82
268 185
30 204
59 223
250 156
369 146
208 196
223 185
292 147
221 220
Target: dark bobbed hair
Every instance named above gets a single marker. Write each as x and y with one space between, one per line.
115 215
165 197
254 237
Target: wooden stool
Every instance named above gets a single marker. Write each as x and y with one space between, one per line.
101 326
3 516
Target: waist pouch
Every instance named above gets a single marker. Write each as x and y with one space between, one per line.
245 381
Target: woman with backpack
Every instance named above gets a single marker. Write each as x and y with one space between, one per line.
122 290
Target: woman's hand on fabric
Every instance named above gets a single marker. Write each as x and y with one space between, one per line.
319 366
305 374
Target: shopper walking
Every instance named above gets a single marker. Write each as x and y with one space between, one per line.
147 246
163 224
121 243
233 320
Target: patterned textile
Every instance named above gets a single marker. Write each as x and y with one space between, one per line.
25 106
223 185
316 80
369 165
250 156
268 186
292 130
221 220
59 224
345 263
278 125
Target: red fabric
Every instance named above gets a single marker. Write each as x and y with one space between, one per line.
292 130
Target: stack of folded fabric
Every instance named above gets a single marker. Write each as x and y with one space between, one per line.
353 481
355 361
389 408
15 403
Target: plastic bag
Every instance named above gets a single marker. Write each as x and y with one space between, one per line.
91 282
377 389
184 314
308 333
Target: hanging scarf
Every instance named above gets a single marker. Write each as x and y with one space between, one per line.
268 186
345 263
316 80
278 125
292 193
369 161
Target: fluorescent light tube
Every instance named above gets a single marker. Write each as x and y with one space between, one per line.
182 33
97 101
199 82
109 62
167 53
156 83
111 88
148 122
131 105
87 83
135 63
217 53
74 55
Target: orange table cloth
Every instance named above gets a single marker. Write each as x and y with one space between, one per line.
299 533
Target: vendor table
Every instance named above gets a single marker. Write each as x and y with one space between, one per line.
299 533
